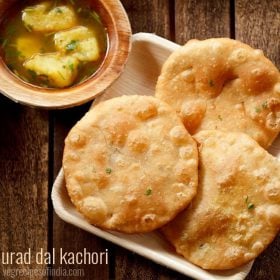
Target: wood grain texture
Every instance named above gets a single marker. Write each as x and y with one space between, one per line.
133 267
66 236
149 16
23 182
257 24
201 19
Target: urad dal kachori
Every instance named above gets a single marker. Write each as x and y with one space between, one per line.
236 212
130 165
223 84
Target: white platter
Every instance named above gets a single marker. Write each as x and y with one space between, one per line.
147 56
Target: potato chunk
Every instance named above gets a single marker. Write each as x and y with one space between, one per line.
60 71
80 42
45 18
27 46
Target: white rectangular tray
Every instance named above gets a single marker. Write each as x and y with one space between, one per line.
147 56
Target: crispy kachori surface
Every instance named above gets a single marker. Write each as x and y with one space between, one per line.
236 212
223 84
130 165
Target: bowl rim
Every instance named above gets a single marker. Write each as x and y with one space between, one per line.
24 93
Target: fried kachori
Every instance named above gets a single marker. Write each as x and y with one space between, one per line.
236 212
130 165
223 84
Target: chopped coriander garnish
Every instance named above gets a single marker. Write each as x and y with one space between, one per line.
32 74
108 170
60 74
4 43
29 9
211 83
250 205
72 45
58 10
79 10
49 34
11 53
220 117
71 67
28 27
20 54
93 70
258 110
148 191
264 105
84 78
72 2
95 16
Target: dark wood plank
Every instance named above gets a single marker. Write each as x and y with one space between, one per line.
66 236
200 19
23 182
149 16
131 266
257 24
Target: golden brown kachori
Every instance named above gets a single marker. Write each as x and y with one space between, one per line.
236 212
223 84
130 165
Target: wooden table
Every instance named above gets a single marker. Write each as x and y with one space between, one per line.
31 142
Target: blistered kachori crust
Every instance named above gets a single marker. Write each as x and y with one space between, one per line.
130 165
223 84
236 212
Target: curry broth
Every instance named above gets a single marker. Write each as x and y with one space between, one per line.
14 32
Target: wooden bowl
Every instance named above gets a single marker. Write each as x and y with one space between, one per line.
118 27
